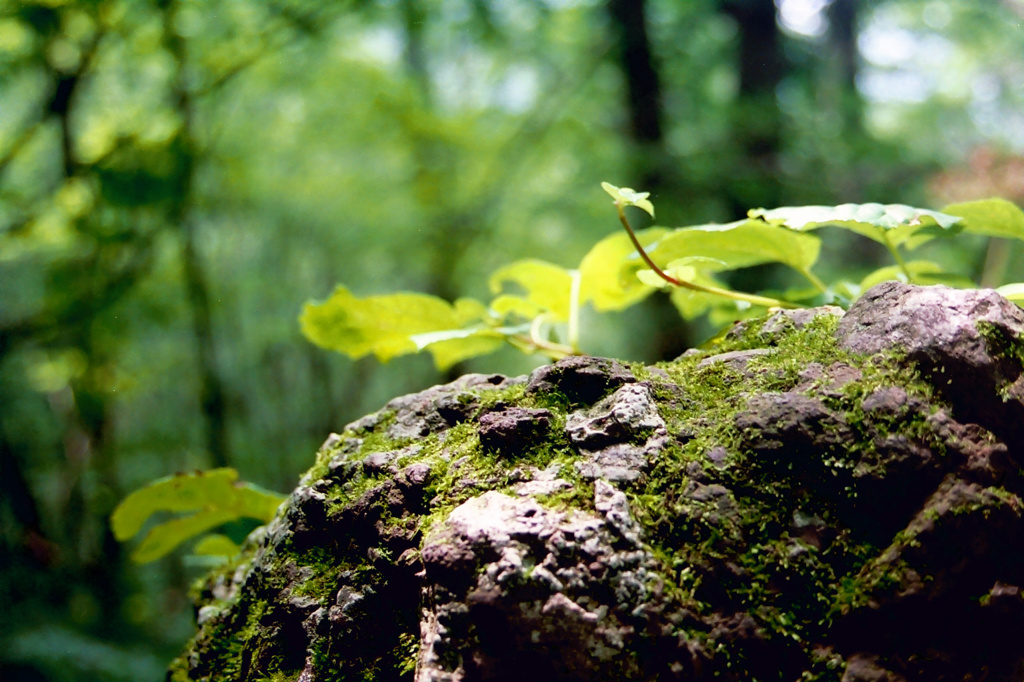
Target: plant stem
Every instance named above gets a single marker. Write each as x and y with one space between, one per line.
997 259
574 311
726 293
897 256
528 344
643 254
813 279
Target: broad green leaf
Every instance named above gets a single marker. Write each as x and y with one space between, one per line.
922 272
216 544
1014 292
386 325
608 271
625 196
895 223
214 497
992 217
739 245
546 285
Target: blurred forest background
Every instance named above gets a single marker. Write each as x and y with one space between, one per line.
178 176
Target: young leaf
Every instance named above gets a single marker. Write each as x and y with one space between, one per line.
397 324
624 196
738 245
890 224
608 271
214 497
992 217
547 286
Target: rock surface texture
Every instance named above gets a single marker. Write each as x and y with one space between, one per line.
819 497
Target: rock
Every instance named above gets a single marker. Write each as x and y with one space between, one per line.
582 380
513 429
819 497
620 436
964 341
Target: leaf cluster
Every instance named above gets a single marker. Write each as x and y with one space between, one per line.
536 308
536 304
206 500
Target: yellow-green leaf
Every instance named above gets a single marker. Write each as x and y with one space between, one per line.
216 544
738 245
466 344
387 325
163 538
692 304
608 272
922 272
625 196
213 497
992 217
1014 292
507 304
545 285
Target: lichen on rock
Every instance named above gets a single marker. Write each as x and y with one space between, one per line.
818 497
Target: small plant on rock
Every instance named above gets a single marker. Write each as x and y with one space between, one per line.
542 315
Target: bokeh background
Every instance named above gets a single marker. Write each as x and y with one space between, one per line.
177 177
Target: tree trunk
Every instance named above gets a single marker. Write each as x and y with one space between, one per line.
757 124
213 395
670 335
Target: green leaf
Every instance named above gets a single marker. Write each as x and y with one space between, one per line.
507 304
923 271
451 348
162 539
546 285
895 223
216 544
684 270
398 324
608 271
1013 292
692 304
624 196
214 496
992 217
738 245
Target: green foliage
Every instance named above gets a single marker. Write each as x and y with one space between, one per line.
992 217
397 324
213 497
531 298
612 277
888 224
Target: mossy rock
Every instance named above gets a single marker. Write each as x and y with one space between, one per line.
818 497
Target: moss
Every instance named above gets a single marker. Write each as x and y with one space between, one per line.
1005 346
751 521
750 524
